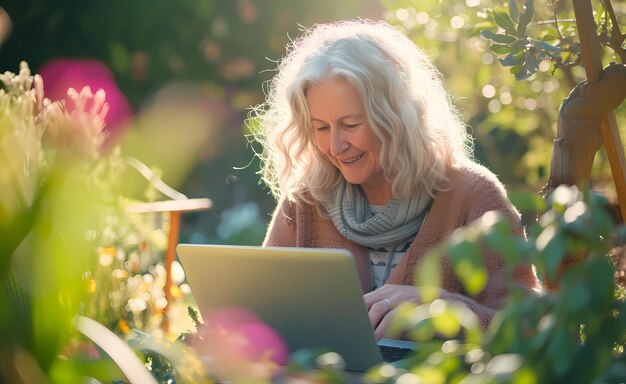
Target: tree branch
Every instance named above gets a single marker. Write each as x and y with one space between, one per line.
616 38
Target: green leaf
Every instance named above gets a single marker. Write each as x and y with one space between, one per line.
525 375
500 49
466 259
513 11
551 31
428 276
472 275
508 61
497 37
532 63
601 222
526 17
446 322
406 313
543 335
551 245
423 331
519 45
530 66
520 60
487 24
500 238
504 21
601 273
546 46
576 297
549 37
527 201
560 350
428 374
516 68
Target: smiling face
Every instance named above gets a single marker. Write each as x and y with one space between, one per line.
342 133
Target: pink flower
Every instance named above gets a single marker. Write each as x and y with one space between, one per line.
62 74
75 126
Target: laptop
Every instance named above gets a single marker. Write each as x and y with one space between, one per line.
311 297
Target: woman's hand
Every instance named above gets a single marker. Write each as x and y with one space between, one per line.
381 304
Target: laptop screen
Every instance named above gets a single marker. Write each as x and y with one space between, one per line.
310 297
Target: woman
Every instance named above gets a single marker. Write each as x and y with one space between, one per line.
364 151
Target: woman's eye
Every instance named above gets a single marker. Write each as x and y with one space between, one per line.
351 126
321 129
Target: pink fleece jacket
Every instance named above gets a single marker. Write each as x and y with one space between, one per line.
474 191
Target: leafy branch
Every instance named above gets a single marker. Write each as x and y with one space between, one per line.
613 38
523 52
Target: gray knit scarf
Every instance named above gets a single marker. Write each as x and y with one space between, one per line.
396 222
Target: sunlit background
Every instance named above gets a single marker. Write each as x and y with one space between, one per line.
219 53
208 57
180 77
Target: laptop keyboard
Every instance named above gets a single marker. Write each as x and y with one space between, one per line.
391 354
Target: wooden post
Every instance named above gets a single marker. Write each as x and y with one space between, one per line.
591 53
175 208
170 256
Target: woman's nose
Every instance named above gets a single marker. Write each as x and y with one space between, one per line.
338 143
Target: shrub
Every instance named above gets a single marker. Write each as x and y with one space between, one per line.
572 333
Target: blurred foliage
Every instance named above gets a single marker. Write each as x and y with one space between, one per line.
225 49
514 122
557 42
574 333
50 170
69 245
125 288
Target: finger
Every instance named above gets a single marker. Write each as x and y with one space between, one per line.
377 311
372 297
381 330
379 294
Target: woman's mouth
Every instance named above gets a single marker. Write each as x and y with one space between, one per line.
354 159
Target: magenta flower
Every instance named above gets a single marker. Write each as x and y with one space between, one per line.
62 74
